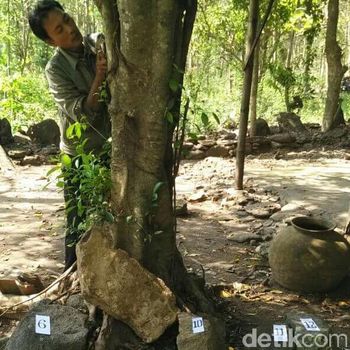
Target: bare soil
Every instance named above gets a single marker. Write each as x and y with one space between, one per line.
237 274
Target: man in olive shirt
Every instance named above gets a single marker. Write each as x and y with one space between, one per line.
75 74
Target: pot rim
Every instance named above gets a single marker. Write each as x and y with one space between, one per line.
327 225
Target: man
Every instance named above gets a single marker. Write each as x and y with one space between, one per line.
76 75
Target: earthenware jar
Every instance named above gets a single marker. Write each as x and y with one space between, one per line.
309 256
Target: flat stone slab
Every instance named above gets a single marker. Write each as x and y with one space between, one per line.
121 287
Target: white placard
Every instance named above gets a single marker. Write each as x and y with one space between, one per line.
280 332
197 325
309 324
42 325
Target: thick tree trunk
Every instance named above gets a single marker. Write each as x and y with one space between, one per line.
145 40
243 122
334 63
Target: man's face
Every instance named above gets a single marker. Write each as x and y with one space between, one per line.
62 30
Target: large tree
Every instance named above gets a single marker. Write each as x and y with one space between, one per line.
147 44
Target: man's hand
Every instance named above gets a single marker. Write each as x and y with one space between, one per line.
92 101
101 66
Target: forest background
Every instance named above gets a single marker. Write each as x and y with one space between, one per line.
292 61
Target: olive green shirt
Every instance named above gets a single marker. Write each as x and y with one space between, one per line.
70 76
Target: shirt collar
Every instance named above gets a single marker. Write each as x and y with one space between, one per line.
73 57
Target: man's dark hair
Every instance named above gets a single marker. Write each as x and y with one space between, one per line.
39 13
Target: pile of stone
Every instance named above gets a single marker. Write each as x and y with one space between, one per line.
223 144
34 147
137 305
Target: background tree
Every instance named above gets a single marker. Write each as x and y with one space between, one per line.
335 68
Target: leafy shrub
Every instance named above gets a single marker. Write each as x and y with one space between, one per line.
25 99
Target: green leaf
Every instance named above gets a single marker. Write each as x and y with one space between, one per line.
205 119
216 117
171 104
66 160
60 184
109 216
70 131
193 136
173 84
78 130
129 219
177 144
169 117
157 186
158 232
56 168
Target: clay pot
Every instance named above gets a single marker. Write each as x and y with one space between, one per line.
309 256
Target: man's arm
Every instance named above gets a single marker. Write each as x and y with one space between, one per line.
69 99
92 101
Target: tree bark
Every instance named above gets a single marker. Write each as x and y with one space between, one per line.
335 68
145 40
254 92
243 123
288 67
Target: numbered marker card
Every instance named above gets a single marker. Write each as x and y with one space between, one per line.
42 325
197 325
280 333
309 324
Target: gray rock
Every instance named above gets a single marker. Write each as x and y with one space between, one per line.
3 342
5 132
46 132
187 146
213 337
263 249
282 138
22 139
19 153
218 151
290 122
77 301
229 136
311 338
242 237
196 155
200 196
269 231
208 143
48 150
262 128
68 330
259 213
121 287
33 160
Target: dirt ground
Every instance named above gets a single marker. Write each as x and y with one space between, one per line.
237 274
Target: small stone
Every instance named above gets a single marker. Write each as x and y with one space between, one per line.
198 197
32 160
260 213
196 155
208 143
18 153
217 151
263 249
212 338
242 237
269 231
241 213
